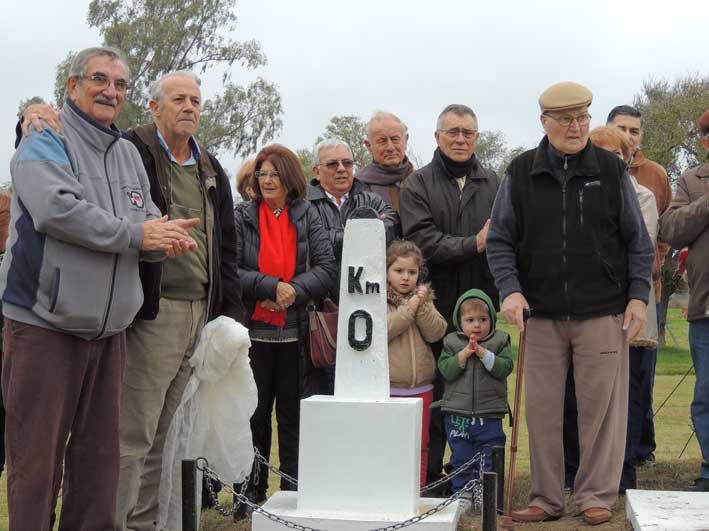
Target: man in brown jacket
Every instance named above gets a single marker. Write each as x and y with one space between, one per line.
686 224
641 437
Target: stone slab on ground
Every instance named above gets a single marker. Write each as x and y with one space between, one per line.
284 504
660 510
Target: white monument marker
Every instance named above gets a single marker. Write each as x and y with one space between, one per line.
359 460
659 510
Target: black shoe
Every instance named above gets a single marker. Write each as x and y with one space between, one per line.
646 462
700 485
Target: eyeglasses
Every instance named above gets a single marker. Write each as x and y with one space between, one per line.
566 120
102 81
334 164
274 175
454 133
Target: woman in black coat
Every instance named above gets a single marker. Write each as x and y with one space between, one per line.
285 260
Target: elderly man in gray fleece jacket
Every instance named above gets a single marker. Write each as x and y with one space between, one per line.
81 220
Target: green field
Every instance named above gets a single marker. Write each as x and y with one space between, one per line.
672 424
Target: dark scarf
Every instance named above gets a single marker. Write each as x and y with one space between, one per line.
453 168
379 178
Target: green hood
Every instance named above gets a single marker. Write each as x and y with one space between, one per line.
475 294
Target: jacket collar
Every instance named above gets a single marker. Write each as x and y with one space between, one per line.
586 162
88 129
148 134
475 172
703 170
317 192
297 210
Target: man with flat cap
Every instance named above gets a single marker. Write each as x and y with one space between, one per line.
567 240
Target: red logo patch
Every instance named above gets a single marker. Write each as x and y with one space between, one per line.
136 198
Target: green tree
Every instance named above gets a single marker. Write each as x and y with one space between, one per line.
160 36
493 152
353 131
670 110
26 103
305 156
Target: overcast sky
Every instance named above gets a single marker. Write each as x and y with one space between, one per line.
409 57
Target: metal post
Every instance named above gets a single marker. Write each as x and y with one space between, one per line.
189 495
489 501
498 466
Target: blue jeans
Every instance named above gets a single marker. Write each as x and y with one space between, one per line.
641 375
699 346
467 437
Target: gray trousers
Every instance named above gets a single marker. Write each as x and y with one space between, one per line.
157 371
599 348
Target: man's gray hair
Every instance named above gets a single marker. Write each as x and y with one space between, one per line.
155 89
378 116
459 110
81 59
328 143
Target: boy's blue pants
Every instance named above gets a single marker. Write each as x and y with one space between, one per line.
468 436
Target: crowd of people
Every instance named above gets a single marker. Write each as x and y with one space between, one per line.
121 245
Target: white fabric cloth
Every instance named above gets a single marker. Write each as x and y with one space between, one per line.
648 207
212 420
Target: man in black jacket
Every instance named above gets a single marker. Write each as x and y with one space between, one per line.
445 210
568 240
336 194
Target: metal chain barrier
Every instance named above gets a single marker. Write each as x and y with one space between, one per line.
211 475
474 486
261 459
445 479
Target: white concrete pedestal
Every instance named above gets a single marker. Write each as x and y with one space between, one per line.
284 504
658 510
359 468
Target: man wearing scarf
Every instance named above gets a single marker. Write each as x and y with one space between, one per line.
445 210
386 141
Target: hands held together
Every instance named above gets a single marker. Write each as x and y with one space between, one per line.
169 236
285 297
418 297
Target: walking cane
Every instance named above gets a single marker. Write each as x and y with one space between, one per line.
507 518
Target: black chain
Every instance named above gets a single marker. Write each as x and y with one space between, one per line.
479 457
474 486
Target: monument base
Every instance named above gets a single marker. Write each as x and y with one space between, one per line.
660 510
285 505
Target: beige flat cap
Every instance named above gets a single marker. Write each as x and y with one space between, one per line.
565 95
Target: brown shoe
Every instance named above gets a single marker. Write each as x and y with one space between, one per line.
532 514
596 515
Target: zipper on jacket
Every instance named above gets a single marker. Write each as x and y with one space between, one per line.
413 356
476 386
210 259
563 243
581 204
115 255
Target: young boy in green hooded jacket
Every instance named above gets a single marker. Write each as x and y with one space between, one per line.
475 362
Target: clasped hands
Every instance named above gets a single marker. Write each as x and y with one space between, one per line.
285 297
169 236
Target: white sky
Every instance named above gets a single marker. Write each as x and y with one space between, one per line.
410 57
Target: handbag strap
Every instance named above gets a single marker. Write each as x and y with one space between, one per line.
325 329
